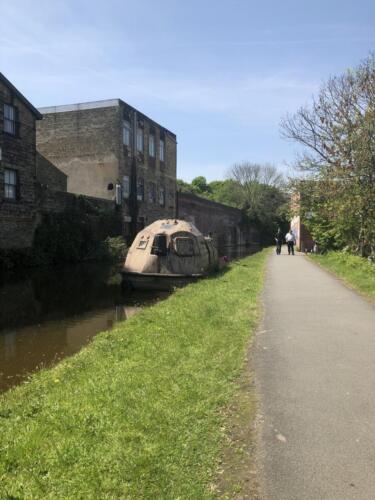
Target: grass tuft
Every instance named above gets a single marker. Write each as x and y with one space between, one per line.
136 414
354 270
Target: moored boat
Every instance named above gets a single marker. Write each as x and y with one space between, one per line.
167 254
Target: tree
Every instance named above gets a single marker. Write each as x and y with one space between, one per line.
338 135
262 196
199 185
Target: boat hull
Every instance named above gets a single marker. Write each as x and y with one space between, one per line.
148 281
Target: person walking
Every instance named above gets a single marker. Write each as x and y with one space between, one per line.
279 241
290 241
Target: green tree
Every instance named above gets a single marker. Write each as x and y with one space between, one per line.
338 135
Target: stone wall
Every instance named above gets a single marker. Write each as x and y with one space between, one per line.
155 175
50 176
224 223
17 217
58 201
84 144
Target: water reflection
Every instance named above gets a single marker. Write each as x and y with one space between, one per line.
51 314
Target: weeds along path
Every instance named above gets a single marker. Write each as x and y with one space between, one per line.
139 412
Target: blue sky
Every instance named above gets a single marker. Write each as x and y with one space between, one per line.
220 74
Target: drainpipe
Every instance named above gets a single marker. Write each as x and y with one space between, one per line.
176 213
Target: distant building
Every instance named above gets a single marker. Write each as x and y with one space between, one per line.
104 144
304 241
17 167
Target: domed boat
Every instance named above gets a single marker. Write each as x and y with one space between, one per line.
168 253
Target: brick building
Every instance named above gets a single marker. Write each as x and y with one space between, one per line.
17 167
304 240
99 145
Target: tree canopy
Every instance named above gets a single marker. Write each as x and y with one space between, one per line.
337 132
258 190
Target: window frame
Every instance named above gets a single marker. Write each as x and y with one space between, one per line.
140 139
126 127
126 187
8 185
152 192
151 150
12 120
140 189
162 196
162 149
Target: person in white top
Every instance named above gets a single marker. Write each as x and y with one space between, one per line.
290 241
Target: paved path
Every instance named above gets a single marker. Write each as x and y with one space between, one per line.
315 370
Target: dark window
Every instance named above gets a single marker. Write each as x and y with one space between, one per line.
126 132
151 145
152 192
184 247
11 184
162 196
125 186
140 139
159 245
140 189
9 119
161 149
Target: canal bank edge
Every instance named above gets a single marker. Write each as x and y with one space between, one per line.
75 431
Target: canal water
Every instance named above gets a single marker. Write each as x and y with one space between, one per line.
49 314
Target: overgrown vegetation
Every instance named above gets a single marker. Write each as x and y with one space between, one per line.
354 270
258 190
138 413
80 233
338 135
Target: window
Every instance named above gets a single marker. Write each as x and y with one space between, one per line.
184 247
11 184
159 245
161 150
140 189
126 132
140 140
142 244
152 192
125 186
151 145
9 119
161 196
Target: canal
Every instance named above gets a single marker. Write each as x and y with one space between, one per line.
49 314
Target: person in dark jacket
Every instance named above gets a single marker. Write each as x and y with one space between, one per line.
279 241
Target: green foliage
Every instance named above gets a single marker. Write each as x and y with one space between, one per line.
338 132
138 413
262 200
354 270
77 234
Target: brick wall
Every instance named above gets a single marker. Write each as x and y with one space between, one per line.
224 223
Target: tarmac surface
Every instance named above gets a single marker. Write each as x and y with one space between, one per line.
315 372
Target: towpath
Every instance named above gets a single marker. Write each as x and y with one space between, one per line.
315 371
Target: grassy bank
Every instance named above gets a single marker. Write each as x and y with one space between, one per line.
138 413
355 271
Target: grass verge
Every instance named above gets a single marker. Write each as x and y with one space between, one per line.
353 270
139 412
